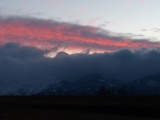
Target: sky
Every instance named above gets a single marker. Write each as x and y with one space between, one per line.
44 41
122 16
134 22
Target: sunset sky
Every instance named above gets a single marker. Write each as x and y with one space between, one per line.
80 26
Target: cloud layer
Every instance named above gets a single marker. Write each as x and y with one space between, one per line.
28 65
49 34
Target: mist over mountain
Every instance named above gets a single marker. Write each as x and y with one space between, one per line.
25 71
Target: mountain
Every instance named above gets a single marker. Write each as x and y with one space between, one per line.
28 88
62 88
92 84
95 84
149 85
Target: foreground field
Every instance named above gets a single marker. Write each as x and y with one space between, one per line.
80 108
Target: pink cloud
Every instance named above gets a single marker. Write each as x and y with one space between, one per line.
47 34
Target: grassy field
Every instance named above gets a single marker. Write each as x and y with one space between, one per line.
80 108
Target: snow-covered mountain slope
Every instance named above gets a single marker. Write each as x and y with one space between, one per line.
91 84
27 88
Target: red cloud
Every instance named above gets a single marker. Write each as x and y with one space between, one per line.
45 34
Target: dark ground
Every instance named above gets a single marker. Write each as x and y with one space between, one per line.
80 108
